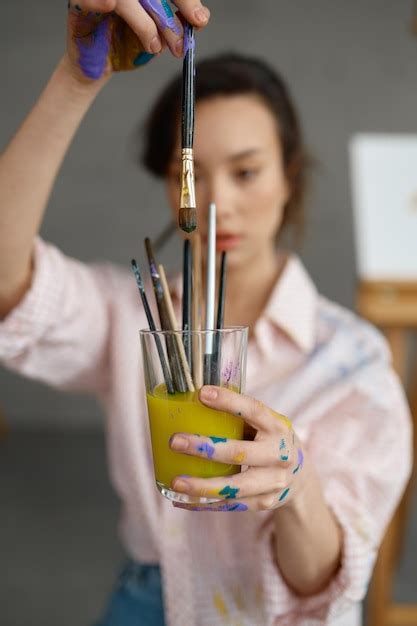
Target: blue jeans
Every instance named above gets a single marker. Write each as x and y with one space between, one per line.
137 598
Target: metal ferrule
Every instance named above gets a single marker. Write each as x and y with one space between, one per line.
187 199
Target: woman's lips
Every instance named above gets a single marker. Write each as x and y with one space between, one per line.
225 241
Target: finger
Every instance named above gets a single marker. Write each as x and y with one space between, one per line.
142 25
257 414
254 482
169 25
272 451
265 502
194 12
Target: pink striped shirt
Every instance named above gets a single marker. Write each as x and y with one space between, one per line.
310 359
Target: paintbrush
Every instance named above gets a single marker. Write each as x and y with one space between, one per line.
148 312
173 356
178 338
188 214
186 299
215 372
197 299
210 292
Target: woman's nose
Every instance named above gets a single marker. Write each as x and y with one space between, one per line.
221 195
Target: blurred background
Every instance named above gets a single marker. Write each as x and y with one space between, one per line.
351 67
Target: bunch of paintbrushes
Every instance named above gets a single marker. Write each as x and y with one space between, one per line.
188 364
188 359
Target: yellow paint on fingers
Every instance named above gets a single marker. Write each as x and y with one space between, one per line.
287 422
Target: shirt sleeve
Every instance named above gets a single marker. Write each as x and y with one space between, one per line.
361 447
59 332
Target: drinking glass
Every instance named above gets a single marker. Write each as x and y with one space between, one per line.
176 365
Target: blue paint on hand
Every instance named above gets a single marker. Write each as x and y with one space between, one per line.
229 492
284 457
284 494
282 444
143 58
218 439
167 8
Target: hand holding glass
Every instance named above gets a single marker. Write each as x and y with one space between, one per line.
178 412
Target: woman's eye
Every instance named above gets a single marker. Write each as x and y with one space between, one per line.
245 174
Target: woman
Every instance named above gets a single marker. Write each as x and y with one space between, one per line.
300 545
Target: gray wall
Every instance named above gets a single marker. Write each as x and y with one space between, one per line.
351 65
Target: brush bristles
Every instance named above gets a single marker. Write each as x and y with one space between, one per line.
188 220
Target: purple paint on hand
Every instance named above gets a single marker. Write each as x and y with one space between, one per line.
207 449
93 51
165 20
239 506
300 458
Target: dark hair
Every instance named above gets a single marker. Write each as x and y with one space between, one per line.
229 75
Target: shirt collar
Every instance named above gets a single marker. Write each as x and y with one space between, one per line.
291 306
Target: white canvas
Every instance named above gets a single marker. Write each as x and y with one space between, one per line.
384 192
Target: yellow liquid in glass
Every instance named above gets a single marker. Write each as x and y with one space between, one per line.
184 413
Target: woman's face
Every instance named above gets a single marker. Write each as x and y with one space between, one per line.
238 165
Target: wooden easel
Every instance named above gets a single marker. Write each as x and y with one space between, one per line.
393 307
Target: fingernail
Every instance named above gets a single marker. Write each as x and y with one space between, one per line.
201 15
155 45
179 47
180 485
208 393
179 443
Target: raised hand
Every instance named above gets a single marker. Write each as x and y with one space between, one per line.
115 35
274 459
